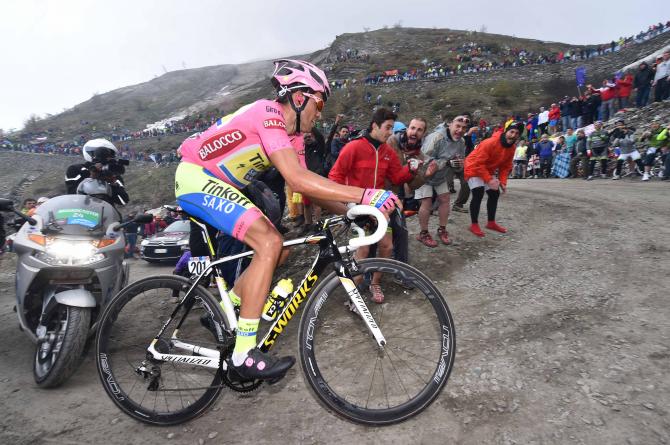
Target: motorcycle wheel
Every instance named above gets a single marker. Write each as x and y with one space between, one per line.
57 358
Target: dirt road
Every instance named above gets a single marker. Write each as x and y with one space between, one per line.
563 337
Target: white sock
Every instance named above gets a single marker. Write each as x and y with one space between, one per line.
239 357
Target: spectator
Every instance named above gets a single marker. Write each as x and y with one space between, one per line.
340 140
624 88
624 139
597 146
579 155
521 160
316 161
657 141
445 146
661 83
369 162
642 83
545 151
28 205
564 108
543 120
131 235
554 117
608 96
493 154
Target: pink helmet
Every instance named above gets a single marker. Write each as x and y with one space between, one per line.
290 75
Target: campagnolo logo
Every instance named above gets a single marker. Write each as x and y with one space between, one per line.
109 378
445 353
220 143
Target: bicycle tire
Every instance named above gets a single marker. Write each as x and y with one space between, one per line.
106 354
309 332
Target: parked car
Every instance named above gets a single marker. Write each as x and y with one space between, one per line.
167 245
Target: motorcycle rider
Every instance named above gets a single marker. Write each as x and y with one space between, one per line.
101 164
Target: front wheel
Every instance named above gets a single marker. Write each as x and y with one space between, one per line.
61 351
347 369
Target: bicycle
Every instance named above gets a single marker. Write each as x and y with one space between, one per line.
162 367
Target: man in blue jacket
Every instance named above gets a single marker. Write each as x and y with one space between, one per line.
545 150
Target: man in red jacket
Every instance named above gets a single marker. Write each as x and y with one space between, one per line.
624 87
369 160
493 154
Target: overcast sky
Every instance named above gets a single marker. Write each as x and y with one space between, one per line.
57 53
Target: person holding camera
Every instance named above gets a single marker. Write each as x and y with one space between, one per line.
102 164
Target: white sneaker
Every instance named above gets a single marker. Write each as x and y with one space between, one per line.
645 177
590 178
616 177
604 176
660 173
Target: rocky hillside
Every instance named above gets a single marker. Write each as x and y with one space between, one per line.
220 89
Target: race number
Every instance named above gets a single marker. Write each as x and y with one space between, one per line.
198 264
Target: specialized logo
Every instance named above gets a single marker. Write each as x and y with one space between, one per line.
274 124
220 143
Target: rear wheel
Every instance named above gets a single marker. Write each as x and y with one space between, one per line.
346 368
60 352
150 390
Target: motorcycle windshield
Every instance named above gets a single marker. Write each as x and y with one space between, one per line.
77 215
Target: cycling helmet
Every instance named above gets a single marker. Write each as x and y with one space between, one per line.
399 126
290 75
99 149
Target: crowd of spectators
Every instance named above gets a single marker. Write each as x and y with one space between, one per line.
473 57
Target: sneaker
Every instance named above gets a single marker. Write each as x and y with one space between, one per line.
645 177
460 209
492 225
660 174
443 235
603 175
474 228
616 177
535 177
590 178
259 365
377 294
426 239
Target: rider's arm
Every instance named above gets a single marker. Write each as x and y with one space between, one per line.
306 182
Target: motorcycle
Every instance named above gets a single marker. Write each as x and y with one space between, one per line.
70 264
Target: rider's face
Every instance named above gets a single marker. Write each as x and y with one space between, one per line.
310 114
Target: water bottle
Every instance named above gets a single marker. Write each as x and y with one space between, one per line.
277 298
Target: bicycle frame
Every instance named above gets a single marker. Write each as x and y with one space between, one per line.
329 253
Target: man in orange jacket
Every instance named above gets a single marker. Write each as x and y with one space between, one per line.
493 154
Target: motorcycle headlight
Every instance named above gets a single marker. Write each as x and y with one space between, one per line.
70 253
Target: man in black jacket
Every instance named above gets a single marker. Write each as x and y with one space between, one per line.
642 83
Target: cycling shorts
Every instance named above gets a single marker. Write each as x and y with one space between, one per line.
213 201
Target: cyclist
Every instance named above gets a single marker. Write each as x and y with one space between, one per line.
217 163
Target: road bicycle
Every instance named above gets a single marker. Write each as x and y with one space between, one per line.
163 341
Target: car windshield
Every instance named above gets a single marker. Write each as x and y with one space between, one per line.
178 226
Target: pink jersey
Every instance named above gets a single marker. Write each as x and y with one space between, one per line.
237 147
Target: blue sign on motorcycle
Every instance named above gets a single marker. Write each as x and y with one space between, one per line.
82 217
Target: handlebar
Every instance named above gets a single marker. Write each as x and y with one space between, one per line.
382 224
